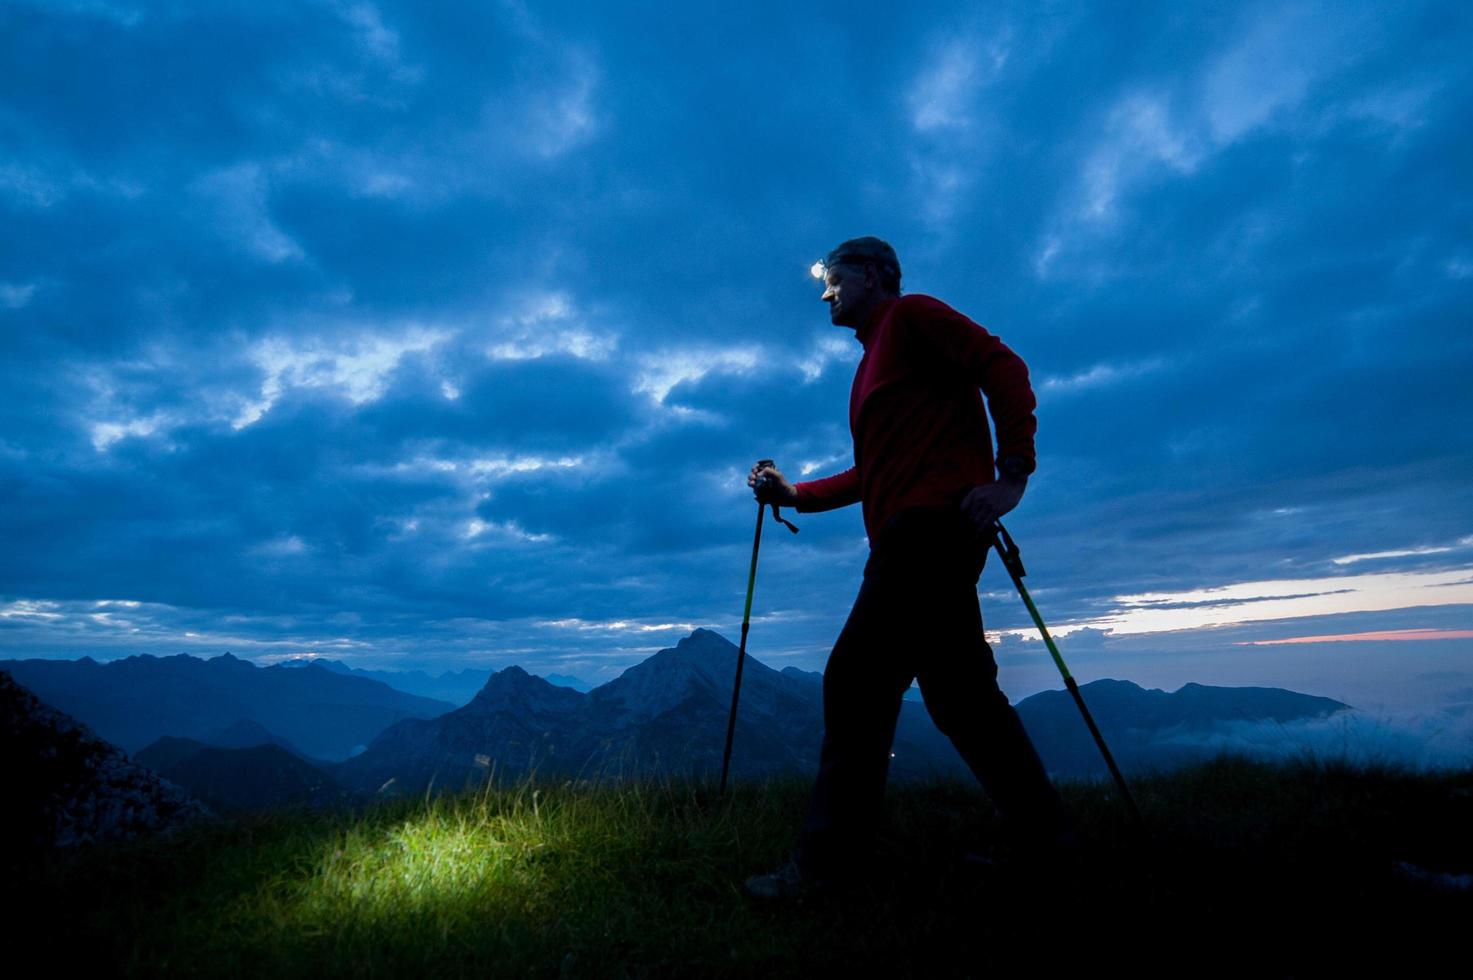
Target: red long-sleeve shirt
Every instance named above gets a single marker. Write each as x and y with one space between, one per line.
917 417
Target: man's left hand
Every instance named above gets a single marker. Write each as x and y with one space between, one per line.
988 502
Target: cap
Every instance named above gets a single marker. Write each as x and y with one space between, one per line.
858 251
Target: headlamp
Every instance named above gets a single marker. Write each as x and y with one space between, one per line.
818 270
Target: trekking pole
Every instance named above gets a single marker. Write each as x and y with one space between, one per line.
1007 549
736 689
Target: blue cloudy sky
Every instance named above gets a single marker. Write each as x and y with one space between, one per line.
434 335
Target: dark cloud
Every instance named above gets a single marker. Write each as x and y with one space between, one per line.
420 327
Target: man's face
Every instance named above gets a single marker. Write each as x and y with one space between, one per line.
850 292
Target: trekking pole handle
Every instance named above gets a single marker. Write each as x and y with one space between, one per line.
764 481
1007 549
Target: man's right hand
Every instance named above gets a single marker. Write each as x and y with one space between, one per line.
777 489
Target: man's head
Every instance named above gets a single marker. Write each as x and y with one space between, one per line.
859 275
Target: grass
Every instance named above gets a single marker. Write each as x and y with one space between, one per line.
1245 868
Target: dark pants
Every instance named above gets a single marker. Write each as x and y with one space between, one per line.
917 618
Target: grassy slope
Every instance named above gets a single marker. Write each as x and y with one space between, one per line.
1273 871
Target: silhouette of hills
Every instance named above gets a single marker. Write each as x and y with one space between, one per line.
135 701
1142 726
454 686
668 714
665 715
251 777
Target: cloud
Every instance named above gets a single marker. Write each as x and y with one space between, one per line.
1398 553
950 120
619 626
661 371
1286 599
376 38
941 95
13 296
827 350
1421 741
104 434
23 609
239 199
1140 137
505 531
549 324
1098 376
1371 637
30 186
561 117
283 547
1273 66
358 370
551 110
293 297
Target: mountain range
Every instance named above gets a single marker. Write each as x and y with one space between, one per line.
454 686
668 715
664 716
133 702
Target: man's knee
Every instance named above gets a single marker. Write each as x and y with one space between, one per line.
961 706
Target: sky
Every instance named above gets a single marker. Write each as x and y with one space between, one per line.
442 335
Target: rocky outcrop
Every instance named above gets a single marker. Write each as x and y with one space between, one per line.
66 786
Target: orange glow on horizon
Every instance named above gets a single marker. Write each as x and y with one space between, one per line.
1412 634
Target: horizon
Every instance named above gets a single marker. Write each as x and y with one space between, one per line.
444 339
315 659
1350 733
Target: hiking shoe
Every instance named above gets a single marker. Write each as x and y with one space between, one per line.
782 885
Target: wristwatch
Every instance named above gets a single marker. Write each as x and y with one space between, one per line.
1016 467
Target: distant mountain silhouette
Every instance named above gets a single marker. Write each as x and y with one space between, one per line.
245 734
1140 725
64 786
133 702
253 777
565 680
668 715
454 686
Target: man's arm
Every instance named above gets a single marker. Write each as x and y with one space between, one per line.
838 490
1003 377
990 501
989 364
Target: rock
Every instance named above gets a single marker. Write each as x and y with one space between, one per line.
69 787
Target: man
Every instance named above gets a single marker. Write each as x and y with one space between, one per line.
924 473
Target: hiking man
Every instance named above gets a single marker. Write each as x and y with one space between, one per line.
924 474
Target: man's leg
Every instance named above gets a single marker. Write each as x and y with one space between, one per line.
958 678
862 687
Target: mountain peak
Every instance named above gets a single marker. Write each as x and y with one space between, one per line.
704 646
513 678
702 664
513 687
